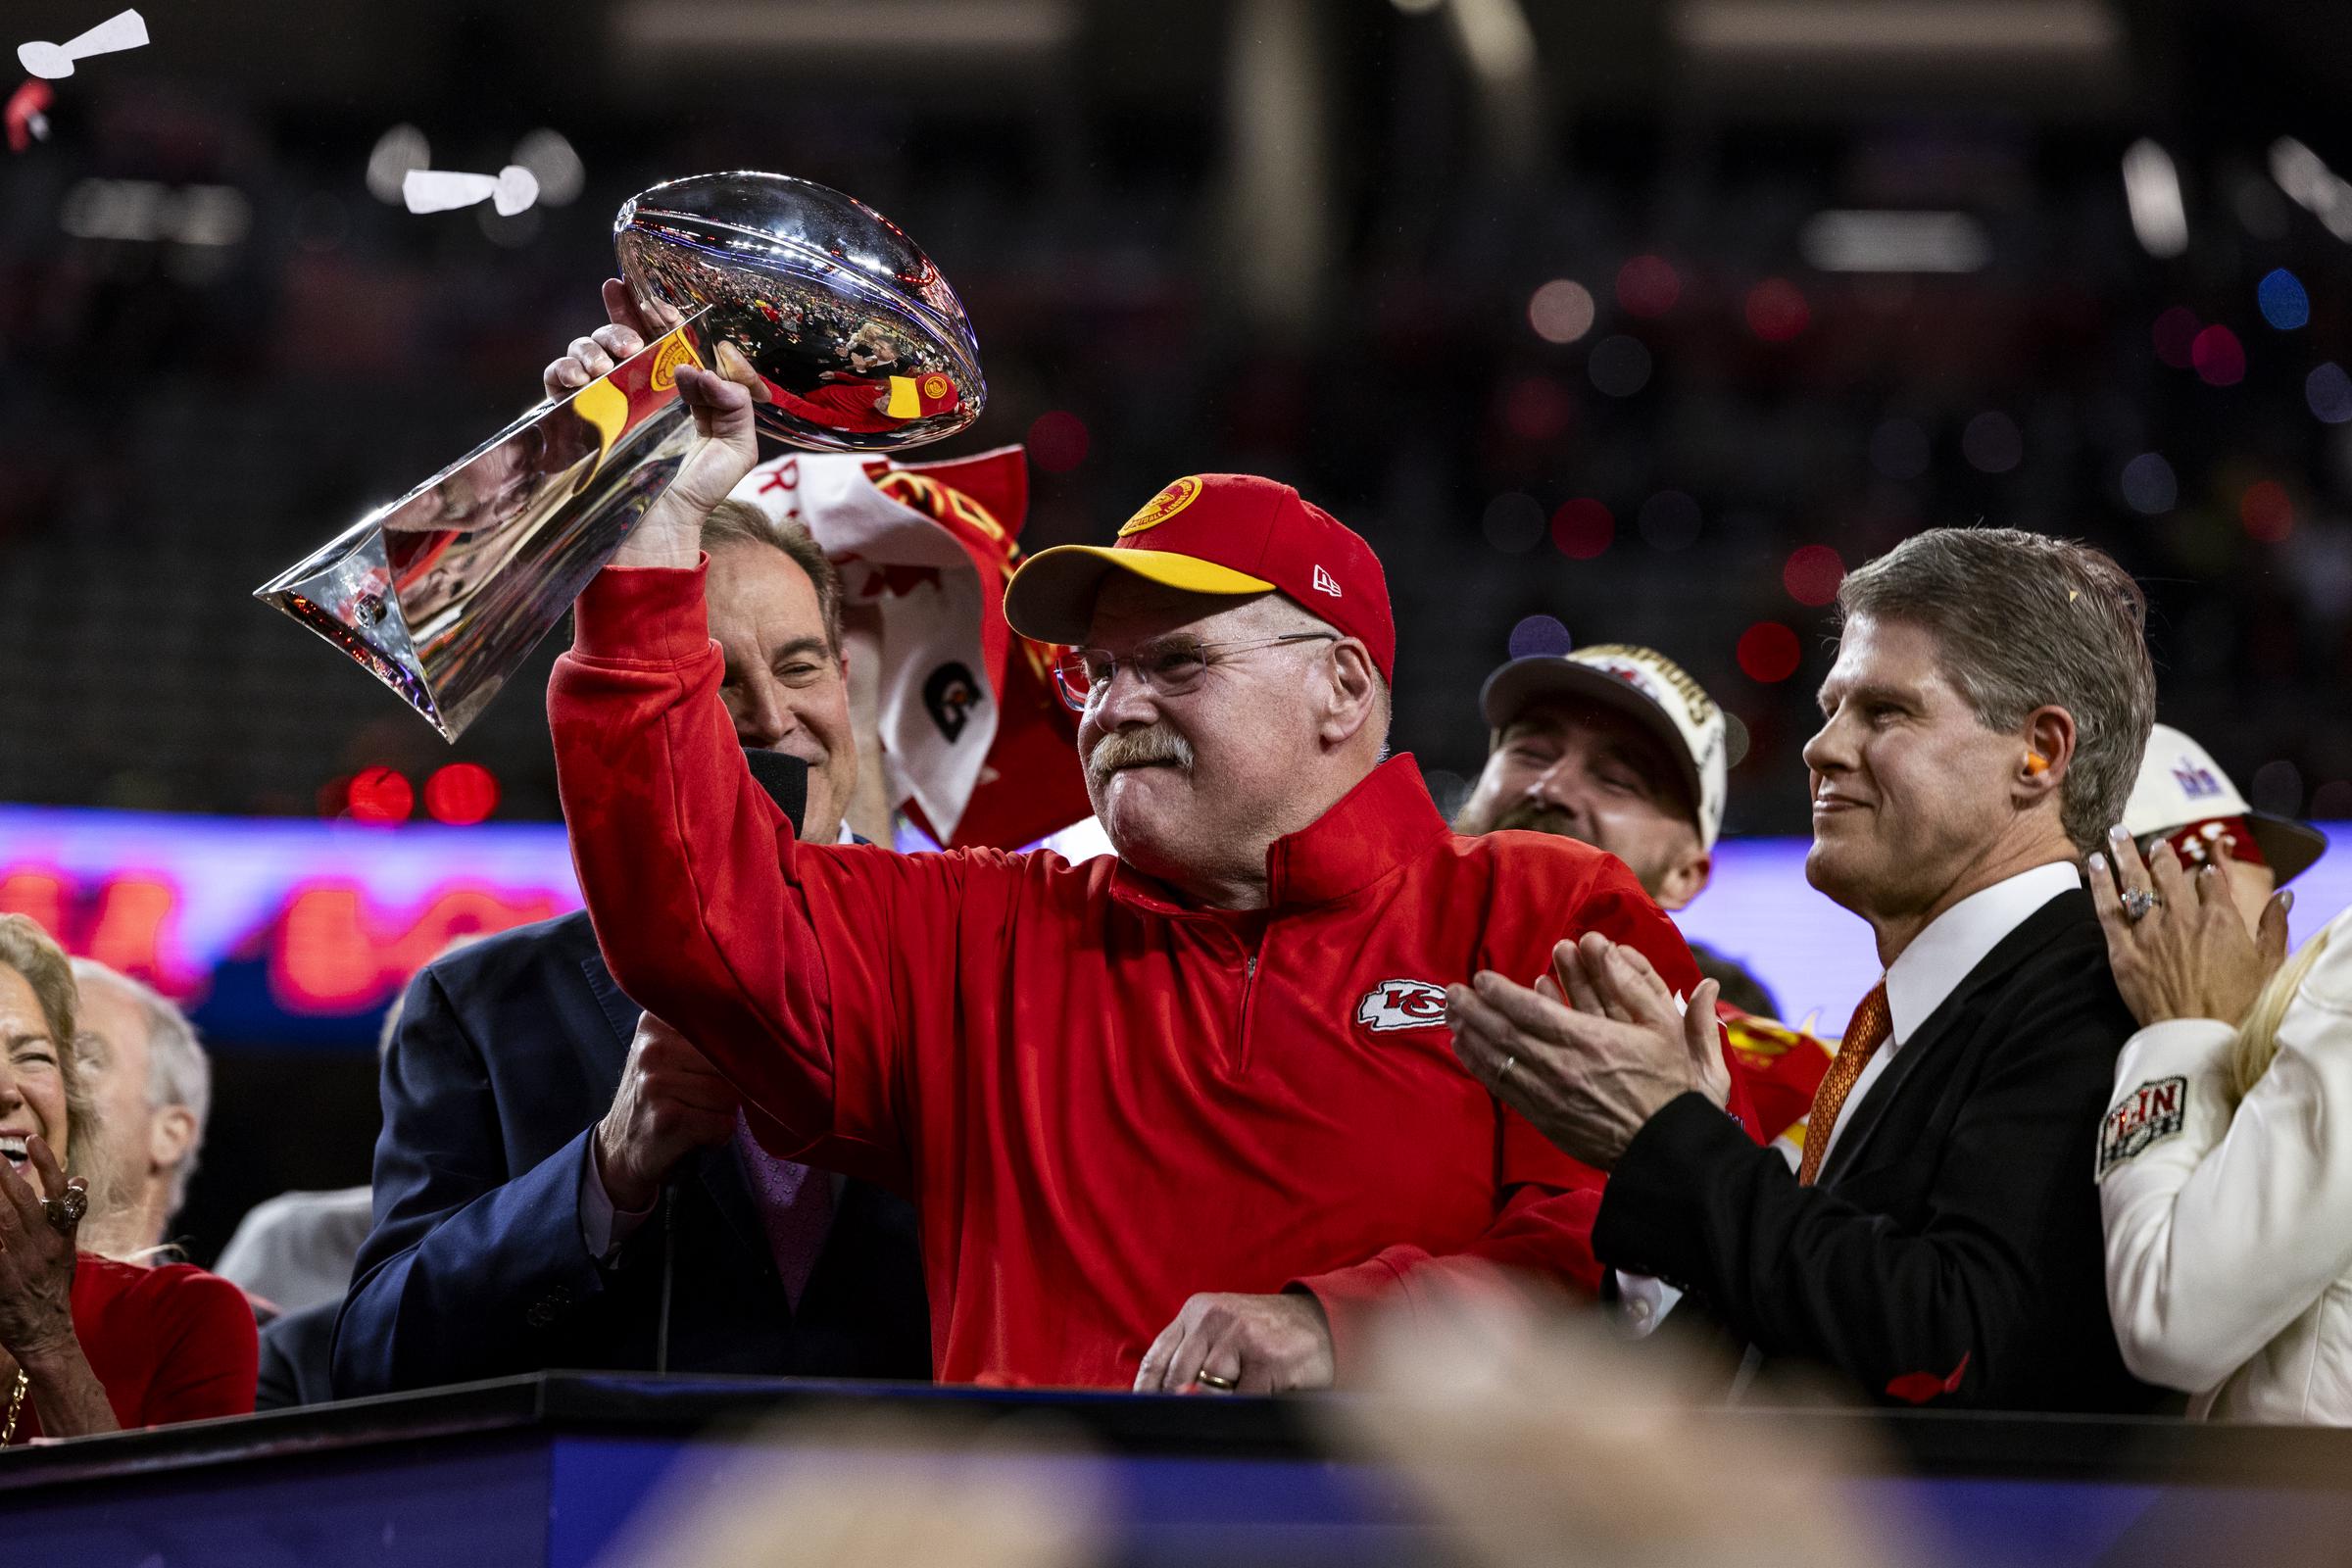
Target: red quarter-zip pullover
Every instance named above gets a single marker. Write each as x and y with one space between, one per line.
1101 1100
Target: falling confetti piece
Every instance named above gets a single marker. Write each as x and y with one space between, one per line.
28 114
433 191
126 30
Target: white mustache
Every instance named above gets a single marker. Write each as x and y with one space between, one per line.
1138 748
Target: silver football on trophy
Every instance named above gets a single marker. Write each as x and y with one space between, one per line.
858 344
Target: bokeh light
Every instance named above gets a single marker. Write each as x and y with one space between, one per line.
1561 311
1514 522
1668 520
1768 653
2278 788
2219 358
1536 408
1649 286
1619 366
2267 511
1993 443
1539 635
2175 336
2285 304
1812 574
1582 528
1898 448
2149 484
1777 311
461 794
381 796
1736 738
2328 392
1057 441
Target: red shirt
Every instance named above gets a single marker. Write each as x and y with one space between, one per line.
169 1344
1101 1100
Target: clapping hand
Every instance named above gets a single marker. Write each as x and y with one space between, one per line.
1592 1049
37 1255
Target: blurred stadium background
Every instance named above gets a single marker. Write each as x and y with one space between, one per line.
1634 321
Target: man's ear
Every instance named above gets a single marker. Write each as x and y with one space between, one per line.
2048 751
1354 692
170 1132
1686 879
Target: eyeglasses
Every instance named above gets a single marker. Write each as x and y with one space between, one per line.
1169 667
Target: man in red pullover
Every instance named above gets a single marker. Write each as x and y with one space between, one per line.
1172 1120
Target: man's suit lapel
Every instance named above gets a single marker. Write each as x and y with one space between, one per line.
718 1169
2031 935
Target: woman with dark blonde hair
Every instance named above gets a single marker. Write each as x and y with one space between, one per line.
2224 1162
87 1344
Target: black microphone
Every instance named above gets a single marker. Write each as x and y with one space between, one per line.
786 780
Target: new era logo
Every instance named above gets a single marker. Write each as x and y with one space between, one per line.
1324 584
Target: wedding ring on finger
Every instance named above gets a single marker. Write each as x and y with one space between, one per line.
1505 1071
2137 902
1209 1380
65 1210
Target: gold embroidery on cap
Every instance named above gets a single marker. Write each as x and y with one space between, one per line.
1163 506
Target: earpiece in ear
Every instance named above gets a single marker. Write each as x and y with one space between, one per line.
2036 764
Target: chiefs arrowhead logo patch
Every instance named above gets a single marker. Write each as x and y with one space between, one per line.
1402 1004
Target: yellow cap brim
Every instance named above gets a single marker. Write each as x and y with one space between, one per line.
1051 597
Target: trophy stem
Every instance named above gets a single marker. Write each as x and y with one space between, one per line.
441 594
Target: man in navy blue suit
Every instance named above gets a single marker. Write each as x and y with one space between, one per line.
555 1189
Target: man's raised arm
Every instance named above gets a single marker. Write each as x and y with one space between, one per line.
782 964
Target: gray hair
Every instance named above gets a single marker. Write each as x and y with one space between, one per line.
732 522
178 1072
2023 621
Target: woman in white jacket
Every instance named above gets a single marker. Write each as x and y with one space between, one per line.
2225 1161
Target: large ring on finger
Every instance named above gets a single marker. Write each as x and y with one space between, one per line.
65 1210
1209 1380
2137 902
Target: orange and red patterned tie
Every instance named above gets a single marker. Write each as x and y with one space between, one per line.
1871 1024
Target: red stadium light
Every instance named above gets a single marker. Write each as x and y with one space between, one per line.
2219 358
1812 574
461 794
1057 441
2267 511
1583 529
1646 286
381 796
1768 653
1777 312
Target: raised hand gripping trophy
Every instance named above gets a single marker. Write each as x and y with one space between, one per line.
859 346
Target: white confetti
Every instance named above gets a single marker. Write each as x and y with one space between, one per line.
52 61
435 190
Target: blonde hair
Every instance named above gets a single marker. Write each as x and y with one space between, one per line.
2257 1042
34 954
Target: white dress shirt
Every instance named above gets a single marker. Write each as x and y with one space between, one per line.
1923 975
1929 970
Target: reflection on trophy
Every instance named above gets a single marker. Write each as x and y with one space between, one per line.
858 344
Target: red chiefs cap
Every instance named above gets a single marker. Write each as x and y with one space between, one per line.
1217 533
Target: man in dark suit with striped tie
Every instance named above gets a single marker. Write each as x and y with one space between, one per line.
1939 1241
